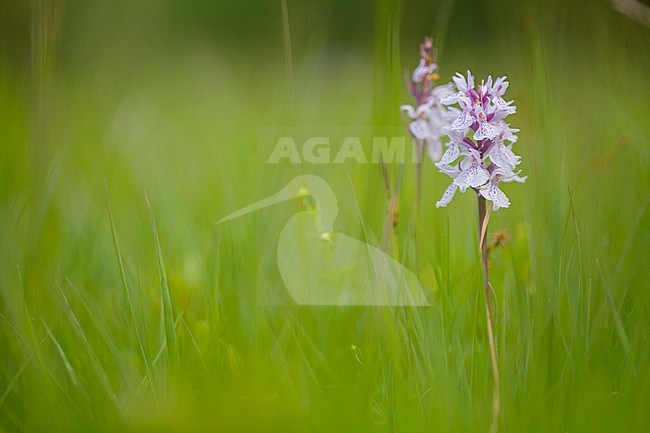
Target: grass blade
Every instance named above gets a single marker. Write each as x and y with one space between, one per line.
620 327
14 380
66 363
168 317
98 368
127 296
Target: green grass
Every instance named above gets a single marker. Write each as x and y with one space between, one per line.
130 311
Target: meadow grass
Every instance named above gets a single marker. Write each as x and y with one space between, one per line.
125 308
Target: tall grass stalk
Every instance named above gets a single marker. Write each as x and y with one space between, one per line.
288 59
127 297
168 315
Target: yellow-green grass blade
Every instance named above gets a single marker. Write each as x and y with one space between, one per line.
168 315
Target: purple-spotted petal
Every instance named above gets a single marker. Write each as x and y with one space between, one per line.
502 156
463 121
501 104
488 84
447 195
470 80
500 86
454 135
514 177
464 102
510 134
450 170
492 192
460 81
474 176
451 99
464 84
450 155
485 130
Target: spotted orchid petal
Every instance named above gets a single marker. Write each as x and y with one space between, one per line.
463 121
486 130
472 177
503 157
452 99
447 195
492 192
464 84
514 177
510 134
501 104
450 170
465 102
499 87
455 136
452 152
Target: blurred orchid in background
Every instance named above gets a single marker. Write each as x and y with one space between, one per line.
429 115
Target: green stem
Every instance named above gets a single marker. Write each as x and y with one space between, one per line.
489 312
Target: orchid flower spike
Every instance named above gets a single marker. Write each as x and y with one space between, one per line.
480 136
428 115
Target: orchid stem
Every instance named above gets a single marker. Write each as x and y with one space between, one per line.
483 219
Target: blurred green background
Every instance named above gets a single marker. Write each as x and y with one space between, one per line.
110 99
